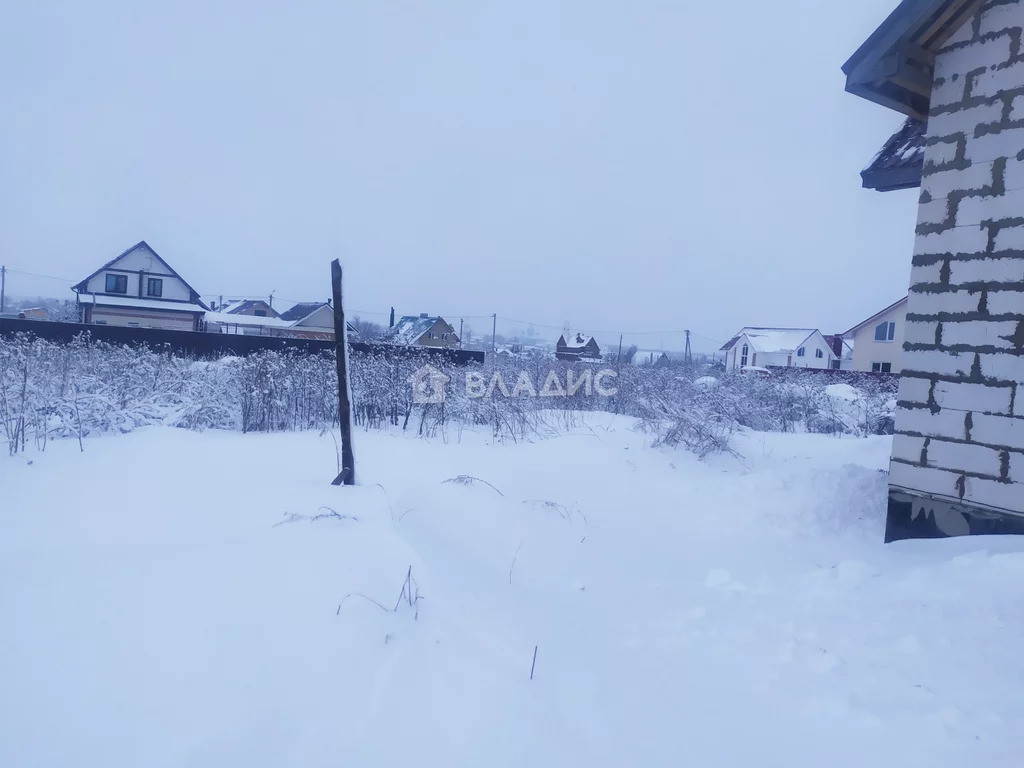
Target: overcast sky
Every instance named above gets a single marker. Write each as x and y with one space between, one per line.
622 166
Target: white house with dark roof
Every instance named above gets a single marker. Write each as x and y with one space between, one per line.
139 289
421 331
878 341
955 67
778 347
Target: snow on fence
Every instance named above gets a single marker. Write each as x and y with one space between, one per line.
71 390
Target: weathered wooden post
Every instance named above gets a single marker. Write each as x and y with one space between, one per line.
348 462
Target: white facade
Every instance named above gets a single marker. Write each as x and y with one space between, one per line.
780 347
957 463
139 289
878 341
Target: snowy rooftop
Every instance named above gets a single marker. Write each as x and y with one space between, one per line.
409 329
225 318
131 301
302 310
576 339
776 339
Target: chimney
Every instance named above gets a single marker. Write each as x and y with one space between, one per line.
391 322
837 346
423 315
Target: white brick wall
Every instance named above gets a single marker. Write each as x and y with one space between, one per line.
913 390
939 185
978 333
1007 367
991 493
992 146
1005 302
947 123
984 53
966 458
907 448
974 210
997 430
950 301
942 424
956 240
1017 467
957 204
937 482
972 397
1010 239
1005 270
942 363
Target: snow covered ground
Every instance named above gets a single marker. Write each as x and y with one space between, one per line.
159 609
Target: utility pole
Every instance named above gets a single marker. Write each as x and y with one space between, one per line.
461 321
271 302
3 287
619 358
687 355
494 333
347 475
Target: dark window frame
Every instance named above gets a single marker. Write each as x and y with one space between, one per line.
154 282
119 283
744 353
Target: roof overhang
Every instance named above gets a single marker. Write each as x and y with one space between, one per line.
894 66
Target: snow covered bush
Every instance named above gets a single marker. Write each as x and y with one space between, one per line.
50 390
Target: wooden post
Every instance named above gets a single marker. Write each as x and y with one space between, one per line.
348 462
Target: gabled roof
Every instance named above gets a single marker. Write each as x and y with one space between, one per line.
894 66
410 328
575 340
238 306
302 310
899 163
772 339
80 287
877 315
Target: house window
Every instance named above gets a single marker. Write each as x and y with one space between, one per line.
885 331
431 335
818 353
743 356
800 352
444 337
154 286
881 367
260 312
835 365
117 284
99 322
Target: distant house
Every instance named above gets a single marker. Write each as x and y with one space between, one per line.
34 313
577 346
251 307
421 331
313 320
842 349
139 289
308 320
878 341
782 347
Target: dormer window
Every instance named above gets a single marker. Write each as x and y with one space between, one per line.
117 284
885 331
